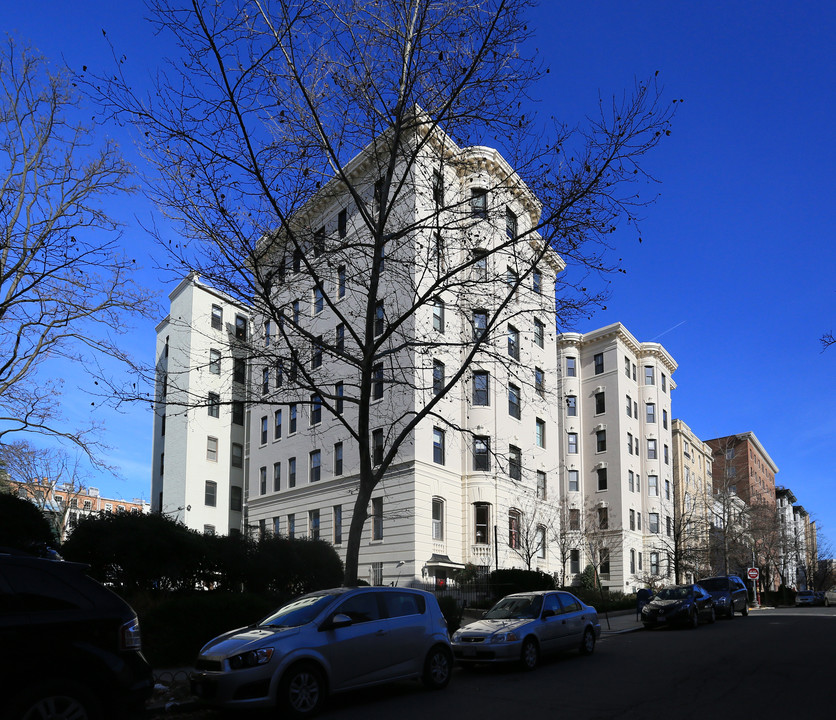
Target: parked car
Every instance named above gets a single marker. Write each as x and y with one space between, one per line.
830 597
524 626
729 593
819 597
805 597
326 642
682 604
70 647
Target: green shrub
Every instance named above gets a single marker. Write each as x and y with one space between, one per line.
506 582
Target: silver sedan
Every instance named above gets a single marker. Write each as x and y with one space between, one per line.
524 626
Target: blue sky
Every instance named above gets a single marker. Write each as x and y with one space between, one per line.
735 274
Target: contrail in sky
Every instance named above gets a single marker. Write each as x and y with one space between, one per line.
668 330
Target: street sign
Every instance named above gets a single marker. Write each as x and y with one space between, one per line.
752 573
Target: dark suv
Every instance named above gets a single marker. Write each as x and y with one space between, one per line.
69 647
729 593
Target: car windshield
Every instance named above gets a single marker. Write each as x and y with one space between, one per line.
714 584
676 593
298 612
517 607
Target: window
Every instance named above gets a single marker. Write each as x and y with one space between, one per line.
573 443
513 342
342 223
341 281
338 458
571 406
605 562
602 478
632 560
653 522
514 523
236 498
316 352
264 430
438 188
267 329
541 485
438 519
574 561
213 405
217 317
438 315
240 327
539 333
338 524
239 370
627 366
480 324
481 388
378 318
208 529
537 281
629 443
669 526
539 382
601 441
632 519
481 453
651 449
237 412
665 419
210 493
649 377
664 383
377 447
291 525
279 374
215 362
631 481
265 381
514 462
316 410
237 455
654 563
313 524
653 485
438 377
540 433
438 446
571 370
277 476
377 381
292 411
319 241
629 407
600 403
479 203
650 412
295 309
512 279
667 489
574 480
291 472
377 518
514 402
212 449
639 488
666 455
510 224
481 523
262 481
297 260
541 542
599 363
315 466
338 398
480 264
277 425
162 425
603 519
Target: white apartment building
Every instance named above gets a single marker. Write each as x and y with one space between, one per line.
198 465
477 480
793 525
616 454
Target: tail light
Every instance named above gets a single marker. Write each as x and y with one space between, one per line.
129 636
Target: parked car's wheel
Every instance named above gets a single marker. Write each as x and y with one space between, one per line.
530 655
588 642
694 620
58 701
438 667
712 616
826 601
302 690
745 611
730 613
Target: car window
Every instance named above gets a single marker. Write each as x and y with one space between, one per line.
570 603
298 612
40 591
517 607
399 604
360 608
715 584
552 603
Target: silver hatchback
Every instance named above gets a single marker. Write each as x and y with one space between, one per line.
524 626
326 642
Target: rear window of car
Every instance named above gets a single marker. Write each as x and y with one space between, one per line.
35 590
714 584
399 604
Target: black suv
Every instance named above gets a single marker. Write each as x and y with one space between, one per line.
729 593
69 647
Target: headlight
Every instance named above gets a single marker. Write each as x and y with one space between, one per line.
722 600
456 636
251 658
504 637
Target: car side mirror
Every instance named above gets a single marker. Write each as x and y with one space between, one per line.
339 620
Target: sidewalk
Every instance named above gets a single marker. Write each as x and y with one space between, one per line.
620 621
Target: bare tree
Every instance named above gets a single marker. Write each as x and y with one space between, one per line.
565 535
65 291
276 109
51 479
827 340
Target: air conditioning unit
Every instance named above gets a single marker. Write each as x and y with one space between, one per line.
600 426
